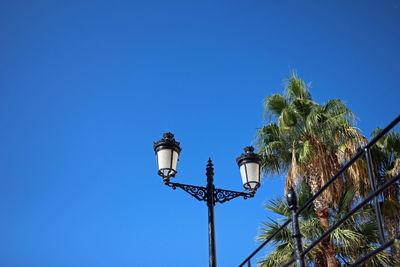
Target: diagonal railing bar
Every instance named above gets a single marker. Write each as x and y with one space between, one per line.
325 186
265 242
373 195
348 164
350 213
383 132
376 251
289 262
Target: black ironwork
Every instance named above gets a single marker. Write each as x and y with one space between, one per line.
199 192
220 195
350 213
378 213
283 226
211 195
250 157
289 262
372 196
210 205
292 202
167 142
376 251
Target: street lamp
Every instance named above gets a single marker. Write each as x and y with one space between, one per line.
167 151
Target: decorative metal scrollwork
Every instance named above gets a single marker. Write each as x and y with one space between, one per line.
199 192
221 196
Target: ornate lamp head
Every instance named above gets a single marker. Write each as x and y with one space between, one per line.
167 151
250 169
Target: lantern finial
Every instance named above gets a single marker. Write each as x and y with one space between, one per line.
168 135
249 149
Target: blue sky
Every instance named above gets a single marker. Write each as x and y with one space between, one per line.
86 87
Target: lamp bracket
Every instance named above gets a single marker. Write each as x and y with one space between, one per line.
199 192
220 195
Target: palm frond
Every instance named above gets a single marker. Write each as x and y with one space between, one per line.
274 105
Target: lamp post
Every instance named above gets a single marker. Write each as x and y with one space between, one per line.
167 151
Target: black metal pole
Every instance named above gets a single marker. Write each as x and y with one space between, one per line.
378 214
298 249
211 204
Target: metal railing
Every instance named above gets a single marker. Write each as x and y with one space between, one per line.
299 255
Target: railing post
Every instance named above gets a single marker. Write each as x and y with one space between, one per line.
298 249
378 214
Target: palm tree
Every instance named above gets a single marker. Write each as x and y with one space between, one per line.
303 140
354 238
386 158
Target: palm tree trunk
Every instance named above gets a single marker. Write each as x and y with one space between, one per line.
320 260
392 225
328 247
321 205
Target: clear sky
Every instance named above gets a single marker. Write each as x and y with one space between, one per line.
87 86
